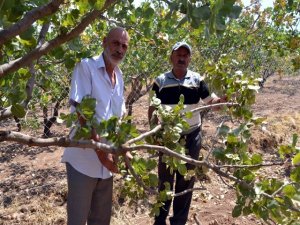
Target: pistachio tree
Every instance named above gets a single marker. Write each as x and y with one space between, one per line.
41 41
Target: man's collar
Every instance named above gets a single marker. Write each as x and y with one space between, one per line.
99 61
172 76
101 64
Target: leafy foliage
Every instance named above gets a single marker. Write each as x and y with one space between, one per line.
235 48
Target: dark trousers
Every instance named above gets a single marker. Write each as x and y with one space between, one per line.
89 199
181 204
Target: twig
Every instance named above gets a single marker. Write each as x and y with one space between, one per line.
188 190
196 219
250 166
137 177
144 135
201 108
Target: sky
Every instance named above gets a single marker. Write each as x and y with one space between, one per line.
265 3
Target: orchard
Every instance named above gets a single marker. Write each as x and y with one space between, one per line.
237 48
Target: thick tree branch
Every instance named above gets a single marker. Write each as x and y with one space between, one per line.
56 141
67 142
29 18
56 42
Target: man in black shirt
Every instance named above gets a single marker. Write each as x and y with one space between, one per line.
168 87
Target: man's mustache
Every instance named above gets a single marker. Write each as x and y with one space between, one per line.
118 55
181 62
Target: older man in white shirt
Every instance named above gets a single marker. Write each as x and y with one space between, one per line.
90 180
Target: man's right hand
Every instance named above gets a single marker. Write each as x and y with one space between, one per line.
106 159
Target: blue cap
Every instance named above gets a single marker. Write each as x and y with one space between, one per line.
182 44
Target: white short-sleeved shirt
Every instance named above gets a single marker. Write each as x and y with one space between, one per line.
90 78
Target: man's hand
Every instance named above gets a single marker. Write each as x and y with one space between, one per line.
217 100
107 159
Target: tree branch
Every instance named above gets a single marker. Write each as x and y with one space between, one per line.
67 142
201 108
56 141
138 178
188 190
29 18
251 166
48 46
144 135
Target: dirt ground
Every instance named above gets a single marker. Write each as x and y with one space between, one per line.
33 181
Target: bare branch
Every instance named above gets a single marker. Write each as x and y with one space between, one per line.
48 46
251 166
273 197
29 18
201 108
196 219
189 190
144 135
56 141
168 152
281 188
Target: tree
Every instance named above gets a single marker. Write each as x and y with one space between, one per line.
43 41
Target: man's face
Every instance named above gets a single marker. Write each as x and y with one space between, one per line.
181 58
115 46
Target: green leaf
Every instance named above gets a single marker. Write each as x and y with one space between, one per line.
223 130
201 13
219 153
256 159
295 174
18 110
232 139
263 213
97 4
235 12
295 140
188 115
7 4
237 211
153 179
87 107
284 150
289 191
247 210
69 62
28 34
258 120
58 53
149 13
296 159
182 169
